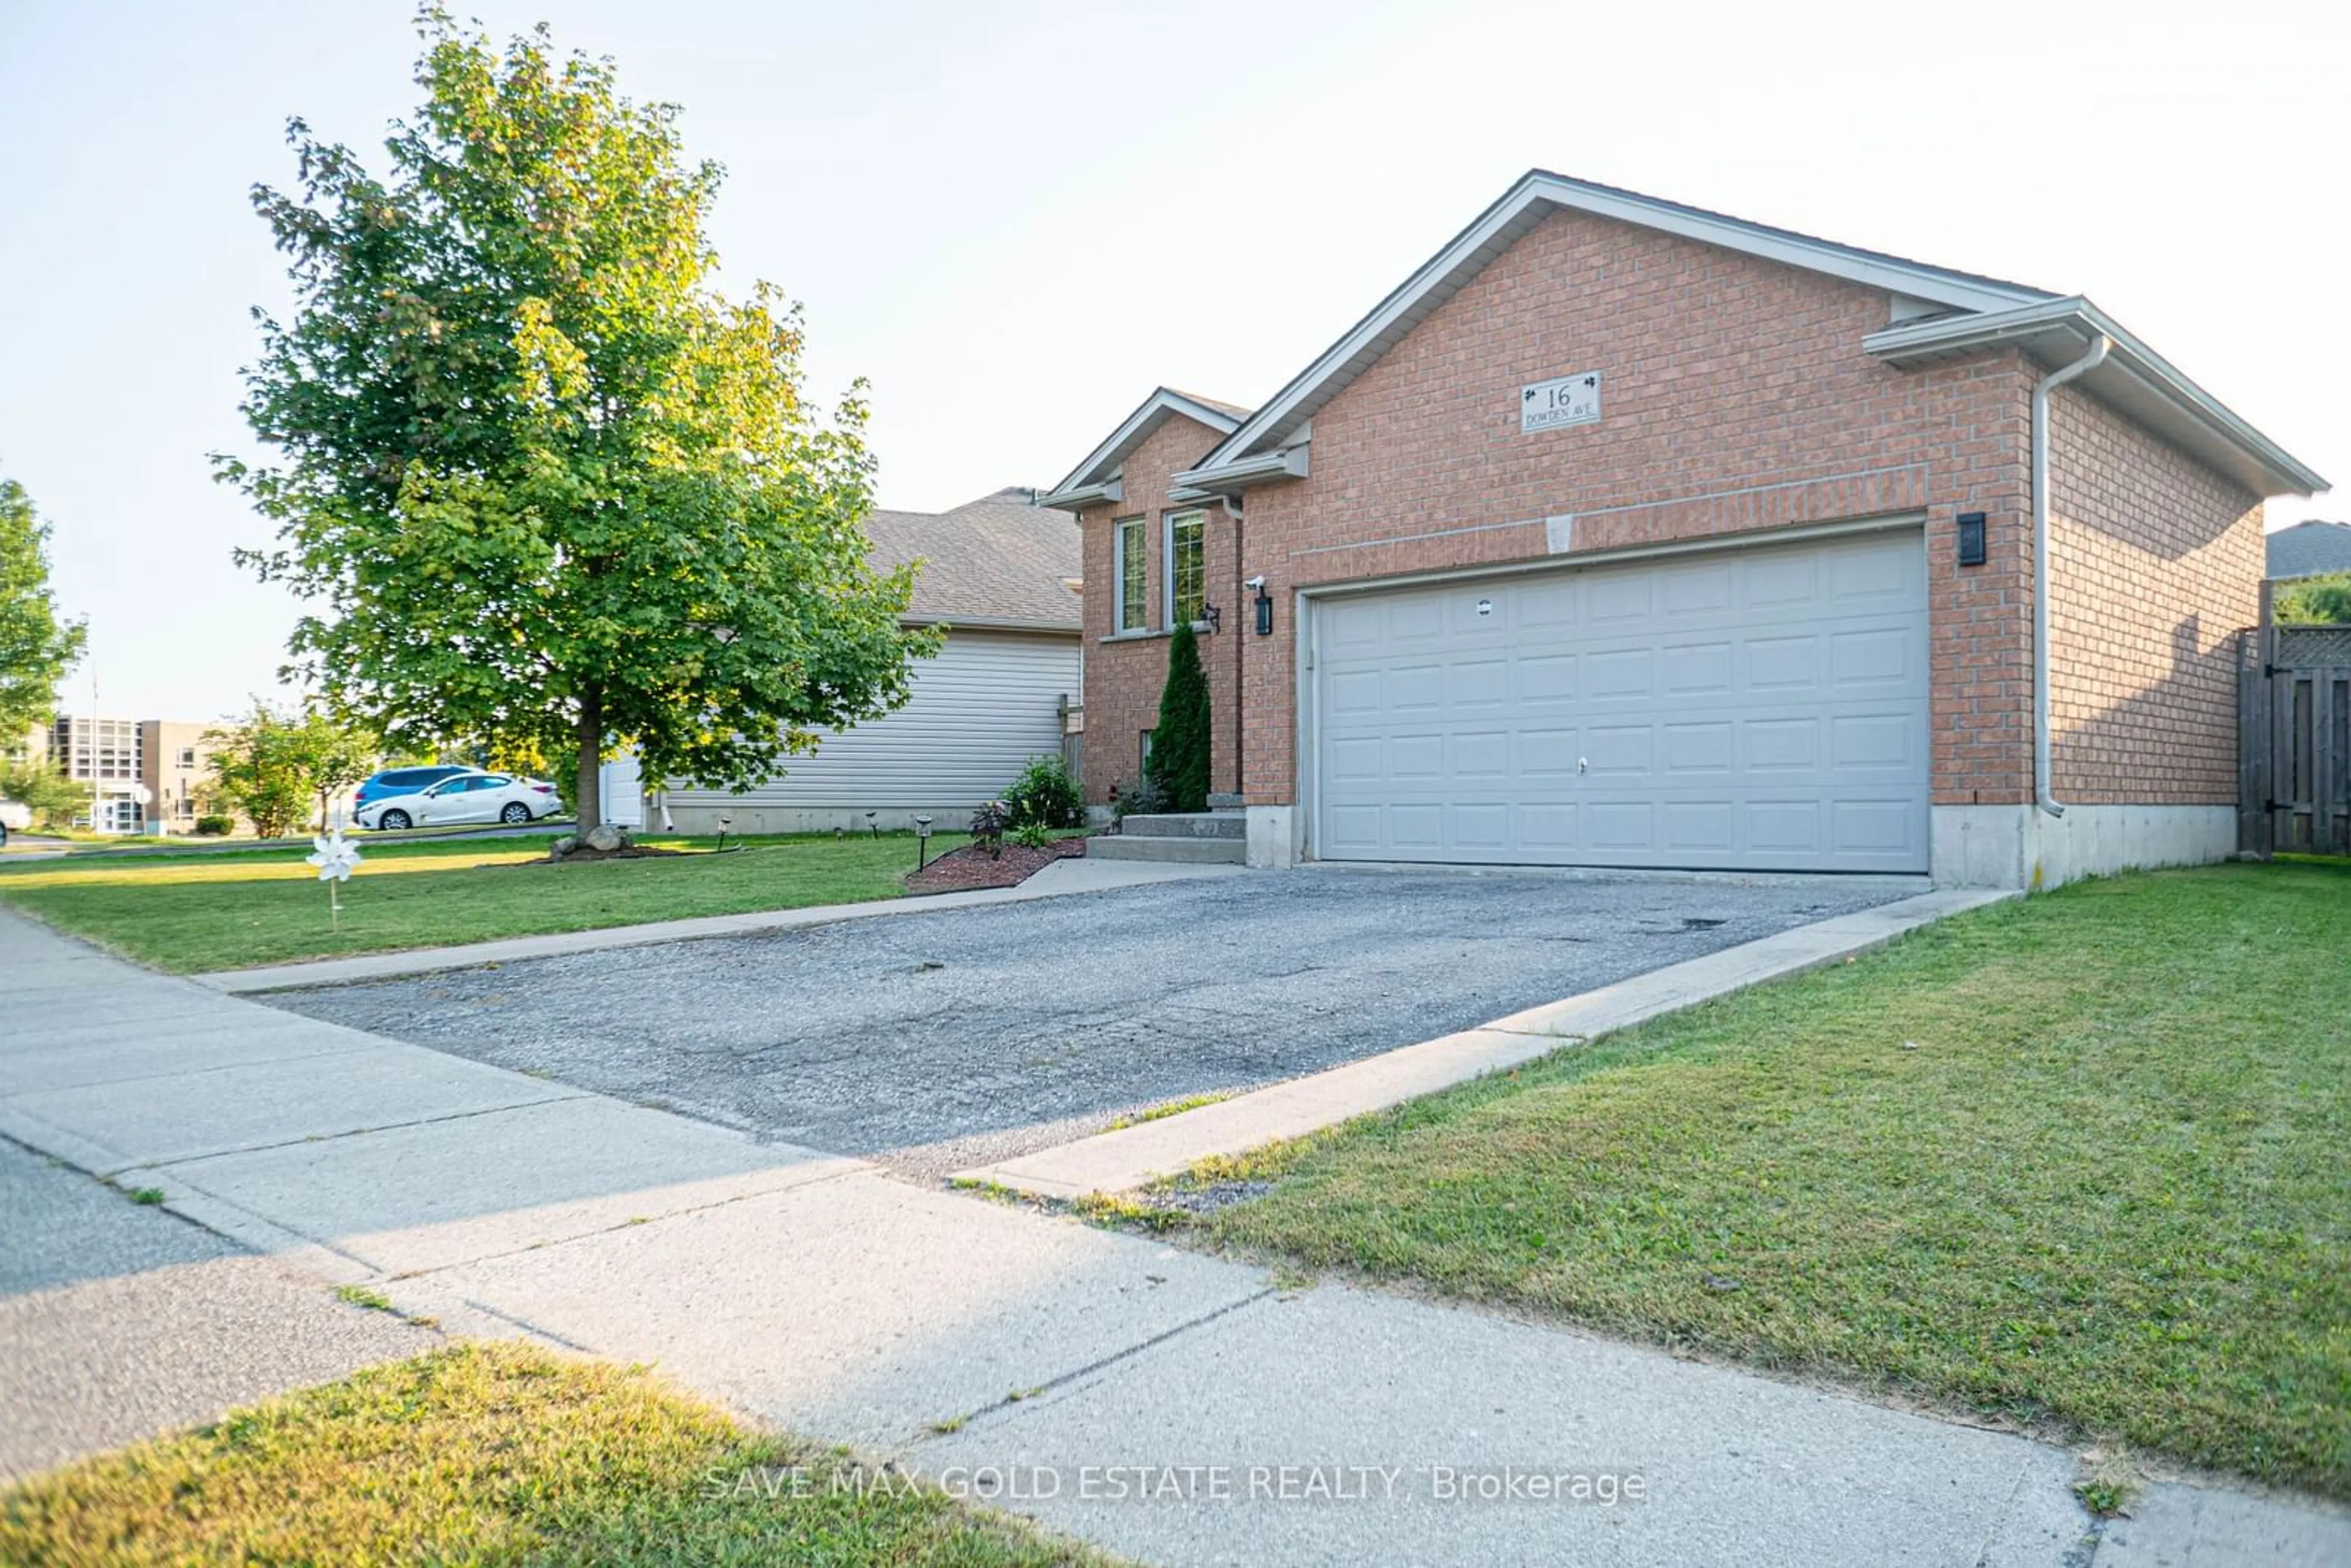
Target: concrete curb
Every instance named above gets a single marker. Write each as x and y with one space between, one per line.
1087 876
1131 1157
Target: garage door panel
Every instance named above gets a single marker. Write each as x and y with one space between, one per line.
1410 619
1548 605
1700 748
1873 743
1354 759
1760 708
1614 750
1352 832
1351 694
1547 678
1413 688
1870 826
1618 673
1413 759
1622 825
1349 625
1481 825
1615 596
1794 828
1481 683
1549 825
1884 572
1707 825
1782 745
1696 669
1784 582
1872 656
1544 752
1482 756
1783 663
1693 591
1416 826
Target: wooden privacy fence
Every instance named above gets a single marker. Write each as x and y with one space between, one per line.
2293 736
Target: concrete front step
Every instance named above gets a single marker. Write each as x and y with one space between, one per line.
1186 825
1182 851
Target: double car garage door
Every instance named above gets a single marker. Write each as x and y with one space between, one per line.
1760 708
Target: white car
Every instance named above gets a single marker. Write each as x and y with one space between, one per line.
466 798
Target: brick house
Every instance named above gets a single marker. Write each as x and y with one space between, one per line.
1627 534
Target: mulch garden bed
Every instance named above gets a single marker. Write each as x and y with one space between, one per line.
971 866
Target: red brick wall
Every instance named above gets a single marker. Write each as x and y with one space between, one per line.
1736 395
2155 561
1124 674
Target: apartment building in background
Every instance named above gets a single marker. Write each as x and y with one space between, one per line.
174 763
144 774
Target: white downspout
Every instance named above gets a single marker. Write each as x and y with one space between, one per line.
2099 346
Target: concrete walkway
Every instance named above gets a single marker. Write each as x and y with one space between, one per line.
1061 877
986 1344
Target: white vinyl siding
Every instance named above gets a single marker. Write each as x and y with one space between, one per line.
1751 709
1127 571
979 711
1187 583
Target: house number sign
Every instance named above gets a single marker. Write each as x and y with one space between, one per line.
1553 404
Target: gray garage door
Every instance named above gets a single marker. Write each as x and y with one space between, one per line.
1756 709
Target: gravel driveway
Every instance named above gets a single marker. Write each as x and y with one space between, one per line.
949 1037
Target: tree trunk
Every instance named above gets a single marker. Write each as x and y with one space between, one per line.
592 759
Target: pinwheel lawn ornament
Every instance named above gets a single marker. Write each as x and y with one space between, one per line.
335 857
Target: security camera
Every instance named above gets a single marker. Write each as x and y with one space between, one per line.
1254 583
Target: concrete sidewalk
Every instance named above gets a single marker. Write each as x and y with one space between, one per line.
1059 878
819 1294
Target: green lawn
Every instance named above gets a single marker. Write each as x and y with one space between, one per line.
220 911
2083 1160
496 1455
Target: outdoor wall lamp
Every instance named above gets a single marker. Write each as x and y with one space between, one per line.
1971 539
1264 603
922 841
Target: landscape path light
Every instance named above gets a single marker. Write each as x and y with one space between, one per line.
922 841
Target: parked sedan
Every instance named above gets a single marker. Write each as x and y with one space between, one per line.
393 781
470 797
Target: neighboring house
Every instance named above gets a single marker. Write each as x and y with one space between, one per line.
1628 534
1001 575
2310 550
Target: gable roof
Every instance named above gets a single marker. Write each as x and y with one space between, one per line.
1097 479
999 561
1938 305
2310 550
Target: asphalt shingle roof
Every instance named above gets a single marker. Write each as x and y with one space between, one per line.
1001 560
2310 550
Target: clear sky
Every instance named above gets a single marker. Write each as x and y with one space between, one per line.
1017 219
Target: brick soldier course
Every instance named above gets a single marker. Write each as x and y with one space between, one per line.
1756 383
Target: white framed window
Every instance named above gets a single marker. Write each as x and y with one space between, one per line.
1187 571
1130 557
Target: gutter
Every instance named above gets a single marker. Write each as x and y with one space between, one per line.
2100 346
1079 496
1934 338
1289 463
